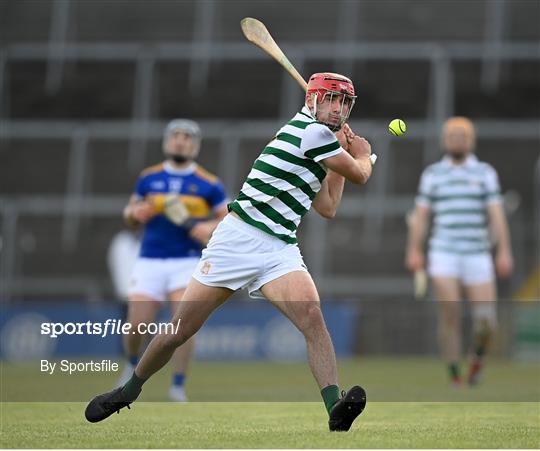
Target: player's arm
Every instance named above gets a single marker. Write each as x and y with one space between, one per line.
498 224
354 164
138 211
504 262
328 198
217 200
418 226
418 223
202 231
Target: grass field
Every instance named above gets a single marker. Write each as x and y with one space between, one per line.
273 425
399 379
410 404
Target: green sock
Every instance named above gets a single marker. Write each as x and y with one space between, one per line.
453 369
480 351
330 395
133 387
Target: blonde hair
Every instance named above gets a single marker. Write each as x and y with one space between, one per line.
463 123
460 122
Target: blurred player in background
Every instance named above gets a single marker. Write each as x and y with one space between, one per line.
122 255
464 196
255 246
172 242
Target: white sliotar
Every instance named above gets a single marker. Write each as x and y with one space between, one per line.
373 158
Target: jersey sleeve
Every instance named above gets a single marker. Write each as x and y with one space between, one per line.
319 142
424 197
141 188
493 188
217 196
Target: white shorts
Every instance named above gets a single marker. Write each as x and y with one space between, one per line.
242 256
470 269
157 277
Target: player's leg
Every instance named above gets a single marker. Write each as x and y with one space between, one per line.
148 289
448 294
181 356
141 309
484 316
198 303
179 274
295 295
444 270
481 290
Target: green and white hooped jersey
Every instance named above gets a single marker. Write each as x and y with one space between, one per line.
458 196
286 177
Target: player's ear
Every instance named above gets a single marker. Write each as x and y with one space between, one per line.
311 102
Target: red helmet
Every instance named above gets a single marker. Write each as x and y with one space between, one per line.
323 83
327 81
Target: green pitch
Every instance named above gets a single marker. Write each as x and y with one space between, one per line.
410 404
273 425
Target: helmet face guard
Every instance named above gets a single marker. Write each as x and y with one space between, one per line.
334 123
188 127
325 87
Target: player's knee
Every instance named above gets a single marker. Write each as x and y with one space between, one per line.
450 314
313 320
173 340
179 336
484 316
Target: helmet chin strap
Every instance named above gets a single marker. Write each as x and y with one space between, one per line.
334 128
314 102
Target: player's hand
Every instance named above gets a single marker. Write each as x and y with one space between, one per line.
345 135
352 143
359 147
342 138
143 211
202 231
504 264
415 260
347 131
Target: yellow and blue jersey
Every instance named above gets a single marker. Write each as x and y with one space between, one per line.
199 190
